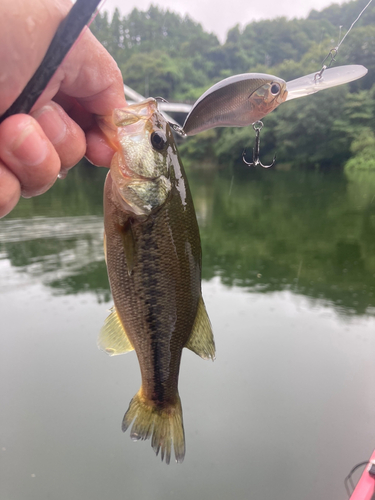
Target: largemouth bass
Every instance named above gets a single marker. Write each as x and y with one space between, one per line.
237 101
153 256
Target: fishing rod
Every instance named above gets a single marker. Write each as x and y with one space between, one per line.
65 36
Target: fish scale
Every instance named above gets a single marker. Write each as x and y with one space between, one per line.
150 293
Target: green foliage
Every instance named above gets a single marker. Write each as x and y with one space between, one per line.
162 53
272 42
306 133
153 73
363 148
231 144
157 45
344 14
198 148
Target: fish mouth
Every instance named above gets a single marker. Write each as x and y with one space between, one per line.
133 117
135 113
138 170
128 129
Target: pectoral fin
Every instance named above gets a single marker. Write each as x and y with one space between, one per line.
201 340
112 338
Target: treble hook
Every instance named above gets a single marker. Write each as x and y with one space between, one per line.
257 126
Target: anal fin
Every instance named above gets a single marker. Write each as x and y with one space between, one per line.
201 340
113 338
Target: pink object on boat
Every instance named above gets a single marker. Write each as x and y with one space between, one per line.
365 489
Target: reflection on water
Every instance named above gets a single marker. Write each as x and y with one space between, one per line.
295 231
310 233
288 406
65 253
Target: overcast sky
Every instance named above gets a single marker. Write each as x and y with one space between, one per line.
218 16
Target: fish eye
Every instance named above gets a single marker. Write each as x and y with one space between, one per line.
275 88
158 140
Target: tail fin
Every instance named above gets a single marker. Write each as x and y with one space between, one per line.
164 425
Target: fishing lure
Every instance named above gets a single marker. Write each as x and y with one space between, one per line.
242 100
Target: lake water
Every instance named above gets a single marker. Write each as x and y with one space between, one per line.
288 406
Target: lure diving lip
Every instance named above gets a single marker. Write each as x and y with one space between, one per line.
310 84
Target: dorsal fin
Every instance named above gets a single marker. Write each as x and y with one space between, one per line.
113 338
201 340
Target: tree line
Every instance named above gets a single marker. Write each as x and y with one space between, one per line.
162 53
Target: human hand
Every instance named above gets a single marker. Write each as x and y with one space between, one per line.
61 128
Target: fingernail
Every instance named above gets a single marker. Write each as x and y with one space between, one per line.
63 173
51 122
29 147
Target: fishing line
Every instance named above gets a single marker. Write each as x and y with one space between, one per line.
351 27
333 52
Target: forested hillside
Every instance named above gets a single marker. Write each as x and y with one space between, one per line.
162 53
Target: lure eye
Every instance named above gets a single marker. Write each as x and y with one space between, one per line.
158 140
275 88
